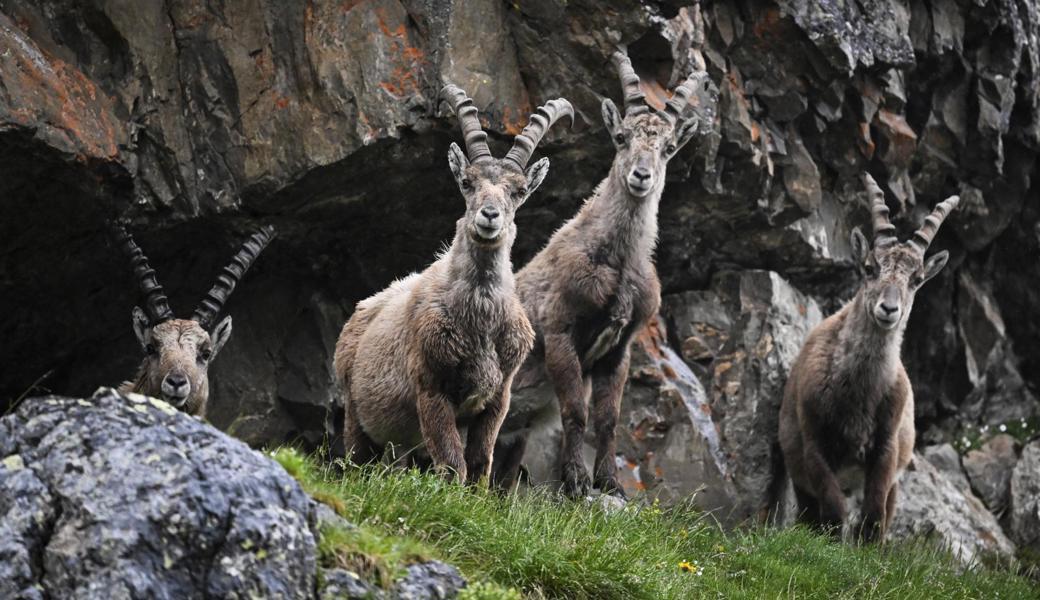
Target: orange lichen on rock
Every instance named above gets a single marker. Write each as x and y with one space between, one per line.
65 108
407 59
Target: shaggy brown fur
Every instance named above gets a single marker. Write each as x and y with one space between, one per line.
848 407
438 349
590 289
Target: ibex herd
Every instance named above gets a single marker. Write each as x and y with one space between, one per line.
428 364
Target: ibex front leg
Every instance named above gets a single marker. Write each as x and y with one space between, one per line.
608 385
443 442
831 500
572 390
480 439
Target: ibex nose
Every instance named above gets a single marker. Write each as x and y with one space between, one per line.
176 380
889 308
641 174
490 213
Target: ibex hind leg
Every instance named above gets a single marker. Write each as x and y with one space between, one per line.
808 509
509 454
360 448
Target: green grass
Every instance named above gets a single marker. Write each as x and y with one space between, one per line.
541 546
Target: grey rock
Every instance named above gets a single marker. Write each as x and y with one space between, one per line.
1000 392
1024 515
931 505
121 497
945 459
989 468
340 584
324 516
432 580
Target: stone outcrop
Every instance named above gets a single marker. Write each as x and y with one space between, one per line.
932 506
125 497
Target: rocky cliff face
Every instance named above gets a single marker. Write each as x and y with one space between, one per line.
199 119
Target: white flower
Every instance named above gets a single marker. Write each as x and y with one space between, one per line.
1002 428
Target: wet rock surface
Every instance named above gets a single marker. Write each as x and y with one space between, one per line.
199 120
119 497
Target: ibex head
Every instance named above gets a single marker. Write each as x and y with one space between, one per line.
178 351
494 188
647 139
893 271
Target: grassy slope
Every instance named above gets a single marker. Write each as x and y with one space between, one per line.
548 548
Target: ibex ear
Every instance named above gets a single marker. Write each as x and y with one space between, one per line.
142 326
684 133
611 117
934 264
458 162
220 335
860 247
535 176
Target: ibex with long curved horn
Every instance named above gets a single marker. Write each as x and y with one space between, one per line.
848 407
439 348
178 352
594 285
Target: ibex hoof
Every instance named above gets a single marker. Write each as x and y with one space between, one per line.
612 487
576 480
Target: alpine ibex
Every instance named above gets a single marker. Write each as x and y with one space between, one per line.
594 285
178 352
848 407
439 348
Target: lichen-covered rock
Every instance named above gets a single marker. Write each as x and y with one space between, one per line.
125 497
989 469
431 580
931 505
1024 498
340 584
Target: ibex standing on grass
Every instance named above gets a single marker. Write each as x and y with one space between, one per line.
178 352
848 407
594 285
439 348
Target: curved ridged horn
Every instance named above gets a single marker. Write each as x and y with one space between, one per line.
923 237
476 139
884 230
210 306
156 305
541 121
635 99
673 109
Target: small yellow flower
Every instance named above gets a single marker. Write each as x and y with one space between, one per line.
686 566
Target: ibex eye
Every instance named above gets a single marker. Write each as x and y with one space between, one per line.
205 354
467 184
619 138
670 149
521 191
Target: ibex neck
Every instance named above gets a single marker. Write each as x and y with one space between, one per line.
625 225
864 344
477 269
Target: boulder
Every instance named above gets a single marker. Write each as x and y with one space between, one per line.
931 505
989 469
125 497
945 459
1024 498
